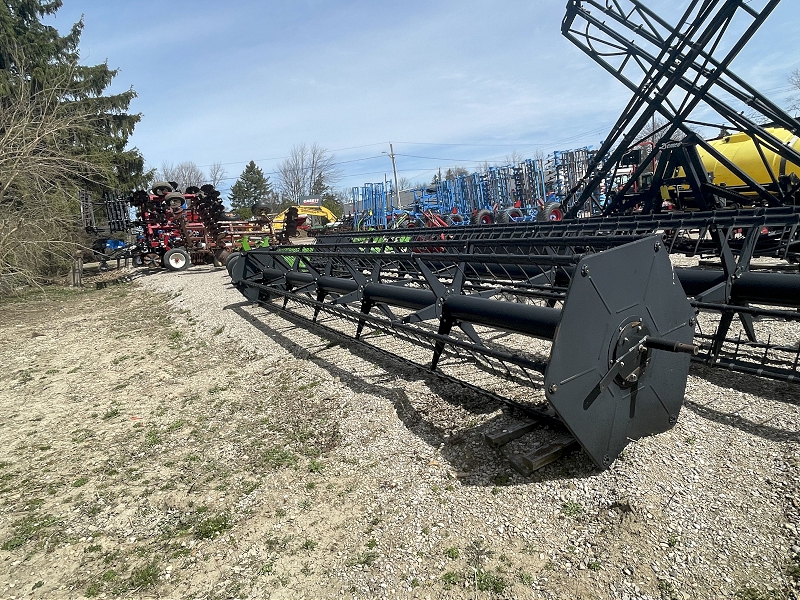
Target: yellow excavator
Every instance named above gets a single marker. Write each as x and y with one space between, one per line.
303 214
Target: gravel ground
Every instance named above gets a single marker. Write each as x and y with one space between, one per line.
705 510
285 464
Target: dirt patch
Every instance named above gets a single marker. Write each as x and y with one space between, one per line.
131 448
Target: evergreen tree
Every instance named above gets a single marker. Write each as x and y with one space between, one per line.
59 133
334 202
36 61
251 187
454 172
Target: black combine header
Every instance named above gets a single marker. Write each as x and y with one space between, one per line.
592 322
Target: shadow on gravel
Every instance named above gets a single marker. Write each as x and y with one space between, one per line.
762 429
92 269
474 460
201 270
749 384
768 389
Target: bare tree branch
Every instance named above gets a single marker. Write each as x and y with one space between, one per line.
306 167
794 80
184 174
41 168
216 173
514 158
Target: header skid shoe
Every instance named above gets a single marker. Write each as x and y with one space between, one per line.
609 377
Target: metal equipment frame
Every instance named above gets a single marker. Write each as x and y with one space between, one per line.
609 348
679 73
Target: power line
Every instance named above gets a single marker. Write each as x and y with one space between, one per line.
517 145
463 160
421 172
244 162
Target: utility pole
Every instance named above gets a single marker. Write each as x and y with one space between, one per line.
394 169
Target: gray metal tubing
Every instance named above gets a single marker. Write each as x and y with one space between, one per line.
297 279
761 288
768 288
273 274
337 284
397 295
538 321
533 320
781 289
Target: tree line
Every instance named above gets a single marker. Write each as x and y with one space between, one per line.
62 131
309 170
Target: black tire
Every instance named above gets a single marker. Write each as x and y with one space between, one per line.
231 260
483 217
177 259
514 213
174 199
159 188
502 217
454 219
550 212
138 260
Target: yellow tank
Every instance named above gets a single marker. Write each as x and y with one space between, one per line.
740 150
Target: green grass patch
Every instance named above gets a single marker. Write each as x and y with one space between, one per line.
309 544
176 425
486 581
526 578
751 593
571 509
145 576
366 559
280 458
451 578
28 528
211 527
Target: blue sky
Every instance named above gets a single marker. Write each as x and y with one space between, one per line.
447 82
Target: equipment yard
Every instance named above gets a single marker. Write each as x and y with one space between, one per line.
168 438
